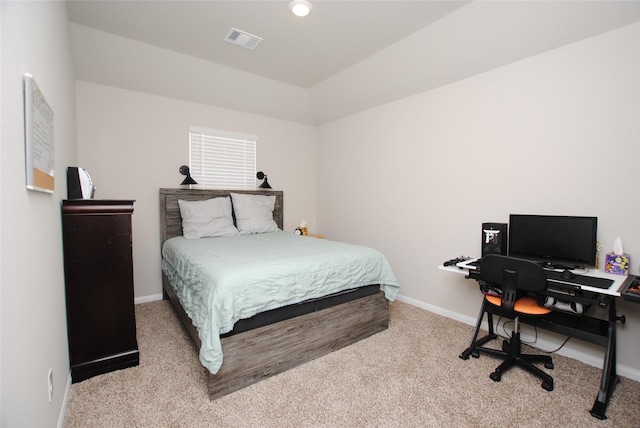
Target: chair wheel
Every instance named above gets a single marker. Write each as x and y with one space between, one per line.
495 376
475 354
548 365
547 385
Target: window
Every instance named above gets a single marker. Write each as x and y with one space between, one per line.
222 159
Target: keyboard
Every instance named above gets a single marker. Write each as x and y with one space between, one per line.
556 277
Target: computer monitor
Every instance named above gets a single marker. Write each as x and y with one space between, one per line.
565 242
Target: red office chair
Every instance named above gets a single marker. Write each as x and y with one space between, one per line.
518 279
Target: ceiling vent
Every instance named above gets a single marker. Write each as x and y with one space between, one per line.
242 38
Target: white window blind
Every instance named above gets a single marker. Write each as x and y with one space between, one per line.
222 159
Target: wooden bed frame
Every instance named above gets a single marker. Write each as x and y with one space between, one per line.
253 355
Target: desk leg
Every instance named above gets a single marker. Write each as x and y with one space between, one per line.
609 375
474 339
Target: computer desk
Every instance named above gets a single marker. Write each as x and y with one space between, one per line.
599 330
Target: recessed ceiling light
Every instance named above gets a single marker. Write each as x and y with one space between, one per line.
300 7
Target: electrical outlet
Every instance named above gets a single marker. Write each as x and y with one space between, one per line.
50 384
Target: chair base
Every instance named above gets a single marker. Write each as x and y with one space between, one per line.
513 357
511 352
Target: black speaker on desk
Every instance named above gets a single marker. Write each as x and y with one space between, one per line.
494 238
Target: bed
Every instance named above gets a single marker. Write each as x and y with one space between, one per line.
279 314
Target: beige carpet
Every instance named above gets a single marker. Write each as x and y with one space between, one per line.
407 376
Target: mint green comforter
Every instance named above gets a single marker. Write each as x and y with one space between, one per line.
222 280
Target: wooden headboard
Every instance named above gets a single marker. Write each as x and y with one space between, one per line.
171 222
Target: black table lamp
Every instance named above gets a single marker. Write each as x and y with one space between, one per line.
184 170
265 184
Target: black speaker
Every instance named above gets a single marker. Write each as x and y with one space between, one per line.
74 191
494 238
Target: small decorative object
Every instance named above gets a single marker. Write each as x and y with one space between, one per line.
617 261
302 229
184 170
598 248
265 184
79 184
494 238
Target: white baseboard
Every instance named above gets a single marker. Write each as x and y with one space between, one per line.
65 401
147 299
567 350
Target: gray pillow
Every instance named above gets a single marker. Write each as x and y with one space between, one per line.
208 218
254 213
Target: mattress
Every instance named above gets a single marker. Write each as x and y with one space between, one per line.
224 279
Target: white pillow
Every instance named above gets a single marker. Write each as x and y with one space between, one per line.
254 213
211 217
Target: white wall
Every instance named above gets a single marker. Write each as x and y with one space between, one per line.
35 39
133 143
556 133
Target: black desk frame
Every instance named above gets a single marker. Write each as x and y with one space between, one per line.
600 331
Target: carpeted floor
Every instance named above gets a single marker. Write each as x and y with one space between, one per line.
407 376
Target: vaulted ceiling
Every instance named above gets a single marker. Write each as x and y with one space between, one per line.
346 56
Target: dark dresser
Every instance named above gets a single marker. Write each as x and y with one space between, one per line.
98 267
